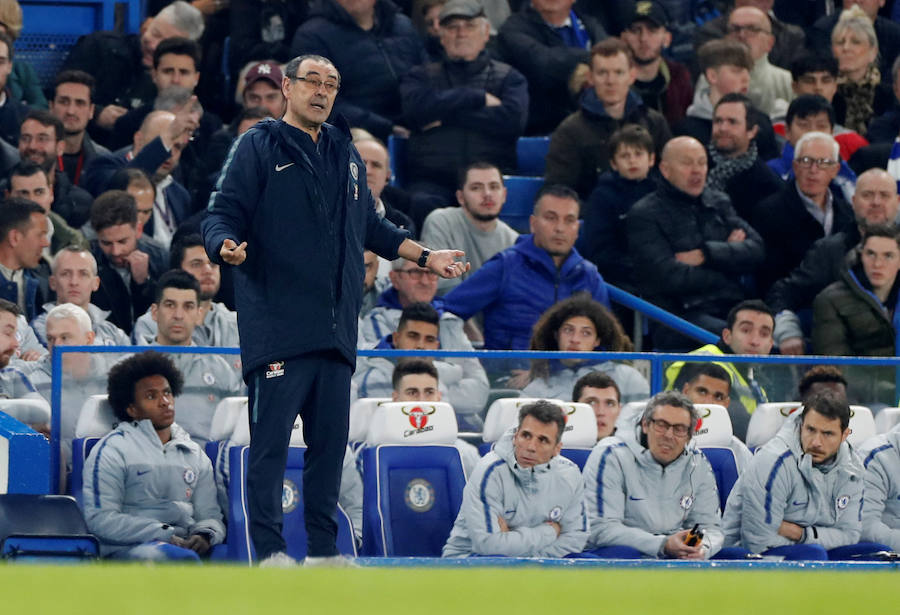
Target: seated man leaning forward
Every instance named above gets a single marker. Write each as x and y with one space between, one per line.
149 492
801 494
646 489
523 499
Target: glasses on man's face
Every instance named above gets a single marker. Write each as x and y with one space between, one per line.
661 427
751 30
417 274
823 163
315 83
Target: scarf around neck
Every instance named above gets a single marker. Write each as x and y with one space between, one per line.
725 168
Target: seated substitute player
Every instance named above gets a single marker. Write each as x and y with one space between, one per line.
800 497
601 393
646 488
881 489
149 489
524 499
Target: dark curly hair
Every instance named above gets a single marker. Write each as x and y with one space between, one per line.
609 330
125 374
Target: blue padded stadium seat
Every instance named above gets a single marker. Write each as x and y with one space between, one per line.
44 526
413 479
724 468
81 448
714 436
520 193
531 155
240 546
398 150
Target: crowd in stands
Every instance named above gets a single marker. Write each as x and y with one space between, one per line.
735 163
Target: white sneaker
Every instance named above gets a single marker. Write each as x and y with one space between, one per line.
279 559
333 561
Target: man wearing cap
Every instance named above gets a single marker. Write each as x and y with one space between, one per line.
664 84
464 109
262 88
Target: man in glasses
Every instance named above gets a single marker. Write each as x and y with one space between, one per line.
805 211
645 488
292 214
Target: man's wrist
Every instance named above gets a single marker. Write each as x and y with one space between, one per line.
423 258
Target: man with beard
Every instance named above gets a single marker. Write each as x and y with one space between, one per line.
42 141
218 324
73 104
474 225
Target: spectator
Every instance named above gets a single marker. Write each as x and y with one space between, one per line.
854 44
854 315
646 487
517 285
425 17
463 109
549 43
689 246
262 88
14 384
155 518
874 202
262 29
23 236
604 241
789 39
663 84
42 141
12 110
371 287
734 158
748 331
156 150
822 378
706 383
74 279
29 181
463 381
806 210
121 63
885 127
725 65
579 146
881 495
601 393
378 169
372 44
128 265
523 499
217 325
817 74
73 105
208 378
801 495
23 81
136 183
474 226
580 324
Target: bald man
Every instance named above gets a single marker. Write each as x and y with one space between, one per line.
874 202
689 245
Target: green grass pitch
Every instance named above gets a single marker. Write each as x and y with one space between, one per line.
170 590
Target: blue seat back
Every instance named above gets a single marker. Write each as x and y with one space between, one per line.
724 468
38 526
578 456
531 155
520 194
81 448
411 496
240 546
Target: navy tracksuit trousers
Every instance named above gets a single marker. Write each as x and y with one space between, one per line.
317 386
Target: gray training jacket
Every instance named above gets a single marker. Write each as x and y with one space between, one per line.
881 495
781 484
526 498
634 501
137 489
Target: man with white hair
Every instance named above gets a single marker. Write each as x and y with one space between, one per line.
74 278
806 210
121 63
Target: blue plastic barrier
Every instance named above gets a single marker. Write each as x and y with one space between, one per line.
24 458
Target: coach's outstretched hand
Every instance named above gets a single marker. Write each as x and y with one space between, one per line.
232 253
447 263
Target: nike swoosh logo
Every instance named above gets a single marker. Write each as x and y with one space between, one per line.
801 503
282 167
142 473
634 499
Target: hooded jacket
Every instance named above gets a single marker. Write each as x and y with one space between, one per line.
561 380
137 489
881 500
781 484
300 288
526 498
634 501
516 286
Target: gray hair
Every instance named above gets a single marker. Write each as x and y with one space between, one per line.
676 399
70 310
855 19
290 71
817 136
54 267
185 18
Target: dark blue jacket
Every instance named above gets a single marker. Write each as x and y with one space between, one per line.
10 292
300 289
516 286
371 62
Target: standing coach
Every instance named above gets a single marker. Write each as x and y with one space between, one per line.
292 213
